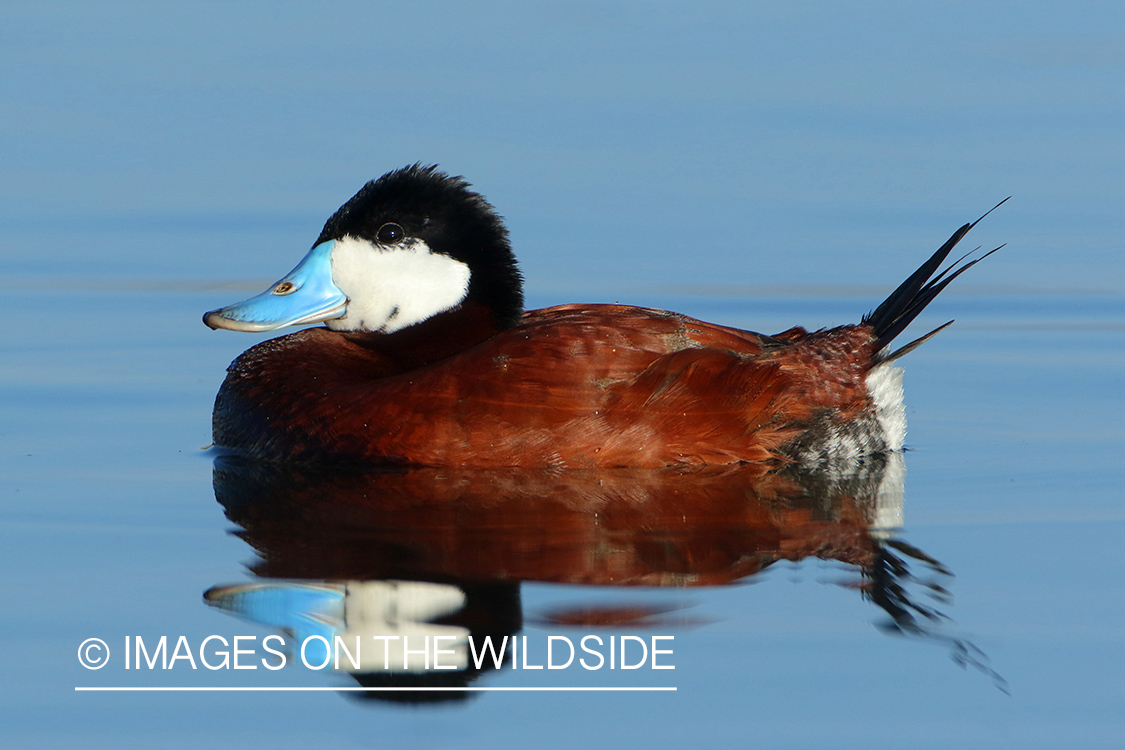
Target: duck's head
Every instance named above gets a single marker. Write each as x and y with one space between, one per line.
408 246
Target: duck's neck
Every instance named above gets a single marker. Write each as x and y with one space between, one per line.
441 336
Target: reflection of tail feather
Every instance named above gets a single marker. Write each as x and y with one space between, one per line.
889 575
912 551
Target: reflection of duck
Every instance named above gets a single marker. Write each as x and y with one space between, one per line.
384 553
340 550
648 527
428 359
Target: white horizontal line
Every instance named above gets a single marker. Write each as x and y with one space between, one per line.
369 690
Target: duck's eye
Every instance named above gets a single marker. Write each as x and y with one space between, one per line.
389 234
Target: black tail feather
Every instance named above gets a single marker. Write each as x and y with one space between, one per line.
898 310
904 350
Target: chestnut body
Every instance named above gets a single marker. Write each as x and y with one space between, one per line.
570 386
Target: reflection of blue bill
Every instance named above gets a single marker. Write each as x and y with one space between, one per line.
298 609
385 616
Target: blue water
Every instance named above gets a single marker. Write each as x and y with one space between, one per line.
757 166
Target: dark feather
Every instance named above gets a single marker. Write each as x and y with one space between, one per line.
898 310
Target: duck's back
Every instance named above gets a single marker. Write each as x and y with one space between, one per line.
573 386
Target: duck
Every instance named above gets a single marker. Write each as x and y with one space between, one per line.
427 358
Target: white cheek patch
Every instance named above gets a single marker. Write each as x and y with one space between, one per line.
393 288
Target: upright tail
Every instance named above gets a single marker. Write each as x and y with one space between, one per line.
897 311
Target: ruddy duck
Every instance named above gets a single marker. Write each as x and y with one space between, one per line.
428 359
